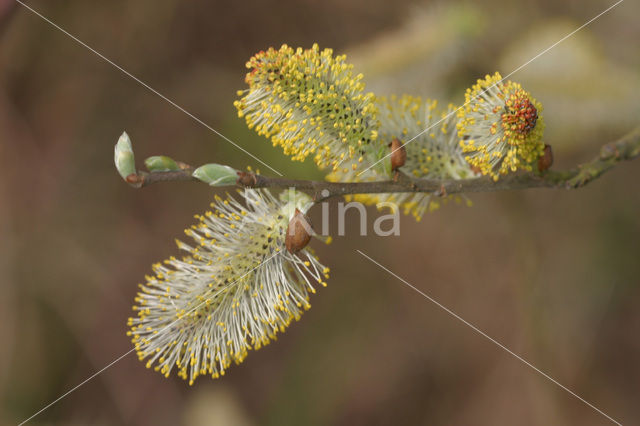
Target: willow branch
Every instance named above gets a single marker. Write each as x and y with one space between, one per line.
626 148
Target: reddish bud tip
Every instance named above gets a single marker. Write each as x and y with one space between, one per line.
133 179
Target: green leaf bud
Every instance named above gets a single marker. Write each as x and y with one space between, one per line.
216 174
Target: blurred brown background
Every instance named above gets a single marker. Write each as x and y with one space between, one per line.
553 275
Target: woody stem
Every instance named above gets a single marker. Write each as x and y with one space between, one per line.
625 148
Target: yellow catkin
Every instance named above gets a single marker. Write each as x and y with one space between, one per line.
500 127
310 103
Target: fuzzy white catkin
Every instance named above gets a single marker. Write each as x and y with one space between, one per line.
234 291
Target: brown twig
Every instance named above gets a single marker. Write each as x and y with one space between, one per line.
626 148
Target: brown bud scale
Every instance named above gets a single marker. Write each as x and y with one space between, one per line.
298 232
247 179
398 154
546 160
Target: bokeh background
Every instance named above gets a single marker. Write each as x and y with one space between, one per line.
554 275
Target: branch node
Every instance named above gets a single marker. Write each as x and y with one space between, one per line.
135 180
184 166
247 179
441 192
609 150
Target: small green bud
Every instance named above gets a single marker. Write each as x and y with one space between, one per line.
161 163
123 156
216 174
